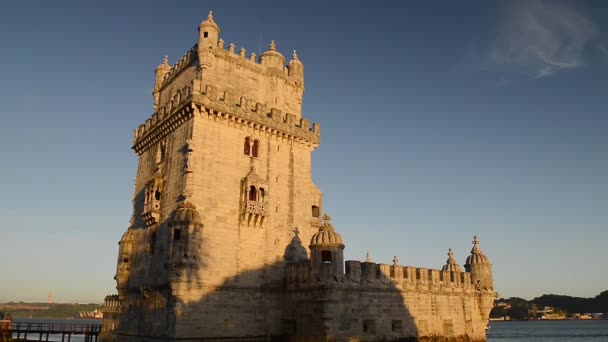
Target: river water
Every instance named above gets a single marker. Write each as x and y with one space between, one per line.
549 331
513 331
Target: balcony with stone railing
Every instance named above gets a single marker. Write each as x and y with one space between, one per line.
256 208
151 212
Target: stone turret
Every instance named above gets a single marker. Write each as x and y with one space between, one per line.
296 69
186 231
480 267
327 250
208 33
125 254
272 59
451 264
161 70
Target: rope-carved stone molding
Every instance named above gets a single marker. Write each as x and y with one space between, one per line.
244 113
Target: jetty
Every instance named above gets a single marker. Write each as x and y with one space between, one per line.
37 331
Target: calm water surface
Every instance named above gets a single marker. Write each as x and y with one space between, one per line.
545 331
526 331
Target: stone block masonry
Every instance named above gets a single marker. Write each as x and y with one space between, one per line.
226 241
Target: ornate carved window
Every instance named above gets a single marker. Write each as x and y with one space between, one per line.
255 192
255 148
152 198
251 147
247 146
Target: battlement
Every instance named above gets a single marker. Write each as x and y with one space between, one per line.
187 59
369 275
227 106
111 304
258 91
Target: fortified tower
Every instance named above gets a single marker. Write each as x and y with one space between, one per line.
226 241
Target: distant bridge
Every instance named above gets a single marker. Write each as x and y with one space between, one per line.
21 330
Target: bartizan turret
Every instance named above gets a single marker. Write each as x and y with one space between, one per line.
481 277
451 265
123 267
479 266
295 70
161 70
327 251
186 230
272 59
208 33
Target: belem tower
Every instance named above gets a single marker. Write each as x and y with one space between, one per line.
228 241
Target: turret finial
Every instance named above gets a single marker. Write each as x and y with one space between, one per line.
210 16
367 257
450 253
326 218
294 55
476 249
272 46
166 60
395 260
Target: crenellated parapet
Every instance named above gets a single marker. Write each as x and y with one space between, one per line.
111 304
225 107
184 62
369 275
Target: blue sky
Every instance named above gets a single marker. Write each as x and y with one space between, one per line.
440 120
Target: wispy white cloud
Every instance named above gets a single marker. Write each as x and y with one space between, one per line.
541 38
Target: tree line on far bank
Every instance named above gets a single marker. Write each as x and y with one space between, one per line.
519 308
45 310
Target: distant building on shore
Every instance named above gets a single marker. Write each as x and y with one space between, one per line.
227 240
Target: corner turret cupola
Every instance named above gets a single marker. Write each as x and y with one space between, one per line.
186 237
480 267
208 33
451 265
160 72
296 70
125 255
326 248
271 58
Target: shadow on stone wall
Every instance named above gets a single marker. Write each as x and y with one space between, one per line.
311 304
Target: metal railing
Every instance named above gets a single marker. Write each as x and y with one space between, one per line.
20 330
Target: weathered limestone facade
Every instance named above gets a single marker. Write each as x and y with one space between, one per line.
213 252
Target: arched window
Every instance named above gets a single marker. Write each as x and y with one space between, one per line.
247 146
252 193
326 257
255 149
262 194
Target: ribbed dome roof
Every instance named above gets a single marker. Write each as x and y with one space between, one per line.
272 50
209 22
451 264
477 256
185 213
326 236
127 236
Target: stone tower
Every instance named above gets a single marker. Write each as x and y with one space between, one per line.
226 241
224 176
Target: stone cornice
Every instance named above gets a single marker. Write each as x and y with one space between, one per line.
271 122
151 134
